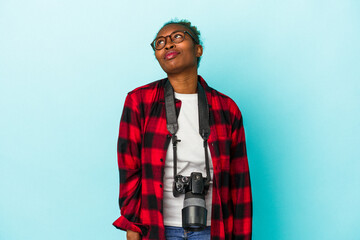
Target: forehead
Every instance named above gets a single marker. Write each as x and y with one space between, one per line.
168 29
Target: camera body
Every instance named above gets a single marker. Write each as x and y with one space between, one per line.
195 187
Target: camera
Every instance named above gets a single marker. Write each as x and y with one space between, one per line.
195 187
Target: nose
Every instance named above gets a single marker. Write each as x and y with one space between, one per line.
168 43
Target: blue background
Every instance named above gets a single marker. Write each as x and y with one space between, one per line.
65 67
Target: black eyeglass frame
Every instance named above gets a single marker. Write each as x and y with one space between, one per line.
152 44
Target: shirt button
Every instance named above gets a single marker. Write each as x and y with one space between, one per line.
161 160
160 185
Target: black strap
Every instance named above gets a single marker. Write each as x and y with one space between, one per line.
171 120
172 125
204 127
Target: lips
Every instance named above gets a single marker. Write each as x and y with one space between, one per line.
170 55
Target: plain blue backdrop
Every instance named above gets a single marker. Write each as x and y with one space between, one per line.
65 67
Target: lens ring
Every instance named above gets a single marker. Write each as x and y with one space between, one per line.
177 37
159 43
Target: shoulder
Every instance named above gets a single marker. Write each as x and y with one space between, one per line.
148 88
221 101
144 97
147 93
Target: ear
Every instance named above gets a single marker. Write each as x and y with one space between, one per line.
199 50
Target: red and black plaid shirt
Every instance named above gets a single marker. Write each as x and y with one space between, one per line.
142 145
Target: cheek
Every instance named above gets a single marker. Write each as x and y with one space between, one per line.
157 56
189 50
190 55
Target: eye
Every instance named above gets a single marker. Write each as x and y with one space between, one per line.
160 42
177 37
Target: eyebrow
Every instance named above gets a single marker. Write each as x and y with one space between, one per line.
170 33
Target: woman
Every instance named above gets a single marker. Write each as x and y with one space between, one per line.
146 148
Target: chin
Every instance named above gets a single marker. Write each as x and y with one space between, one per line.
173 69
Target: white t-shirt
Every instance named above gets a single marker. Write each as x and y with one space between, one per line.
190 158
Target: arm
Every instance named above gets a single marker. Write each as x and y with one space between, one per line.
240 181
129 162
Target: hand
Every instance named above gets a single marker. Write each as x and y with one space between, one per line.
131 235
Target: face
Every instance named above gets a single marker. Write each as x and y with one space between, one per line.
178 57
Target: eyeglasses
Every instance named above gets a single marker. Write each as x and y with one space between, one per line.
175 37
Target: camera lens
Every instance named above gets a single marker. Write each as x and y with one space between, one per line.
194 213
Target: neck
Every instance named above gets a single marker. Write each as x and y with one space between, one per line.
185 83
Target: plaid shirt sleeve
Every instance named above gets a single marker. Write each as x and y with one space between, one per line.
129 162
240 180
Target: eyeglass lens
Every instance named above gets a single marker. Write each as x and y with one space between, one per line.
176 37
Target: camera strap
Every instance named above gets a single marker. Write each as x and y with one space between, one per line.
172 124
